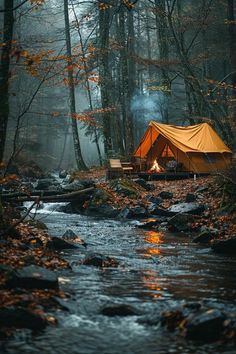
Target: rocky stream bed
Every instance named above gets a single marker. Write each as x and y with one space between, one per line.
129 283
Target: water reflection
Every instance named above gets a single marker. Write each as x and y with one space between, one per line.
153 236
151 281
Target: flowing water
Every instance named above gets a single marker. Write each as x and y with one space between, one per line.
157 272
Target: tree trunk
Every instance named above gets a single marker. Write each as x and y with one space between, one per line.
78 155
105 75
125 84
232 56
4 72
86 70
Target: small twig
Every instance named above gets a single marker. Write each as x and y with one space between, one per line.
20 220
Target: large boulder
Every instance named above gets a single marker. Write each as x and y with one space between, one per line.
149 224
126 187
188 208
206 326
119 310
137 212
155 200
161 212
73 187
77 185
38 224
166 195
181 222
190 197
102 204
99 260
106 211
47 183
62 174
204 237
227 246
71 236
58 244
32 277
19 317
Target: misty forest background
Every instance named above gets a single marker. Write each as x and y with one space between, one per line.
80 80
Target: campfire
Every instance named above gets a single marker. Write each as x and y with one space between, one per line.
156 167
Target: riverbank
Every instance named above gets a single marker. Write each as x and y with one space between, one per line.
30 247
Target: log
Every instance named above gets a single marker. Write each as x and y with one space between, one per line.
64 197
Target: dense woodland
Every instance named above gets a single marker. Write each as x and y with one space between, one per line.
80 80
96 258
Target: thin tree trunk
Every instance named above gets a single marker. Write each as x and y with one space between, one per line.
105 75
232 56
4 72
86 70
78 154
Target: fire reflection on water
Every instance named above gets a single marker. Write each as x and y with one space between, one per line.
151 283
151 280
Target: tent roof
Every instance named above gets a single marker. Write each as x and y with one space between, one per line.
194 138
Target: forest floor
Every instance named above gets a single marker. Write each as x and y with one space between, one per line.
26 245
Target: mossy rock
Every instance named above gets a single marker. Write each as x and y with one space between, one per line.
37 224
100 197
126 186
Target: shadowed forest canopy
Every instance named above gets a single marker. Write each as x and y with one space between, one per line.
81 80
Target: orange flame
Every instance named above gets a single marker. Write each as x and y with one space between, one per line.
156 167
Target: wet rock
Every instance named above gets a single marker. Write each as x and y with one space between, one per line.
45 183
203 237
5 269
119 310
73 187
37 224
19 317
188 208
61 303
171 319
149 224
202 189
137 212
206 326
34 242
71 236
166 195
56 243
162 212
163 226
32 277
62 174
123 214
99 198
106 210
193 306
181 222
155 200
99 260
227 246
190 197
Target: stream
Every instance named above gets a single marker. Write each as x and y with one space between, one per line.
157 272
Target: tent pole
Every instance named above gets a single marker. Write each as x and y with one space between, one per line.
151 145
140 163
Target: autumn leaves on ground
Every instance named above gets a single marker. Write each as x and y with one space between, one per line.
30 262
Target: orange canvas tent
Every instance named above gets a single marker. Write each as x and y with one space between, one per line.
198 148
